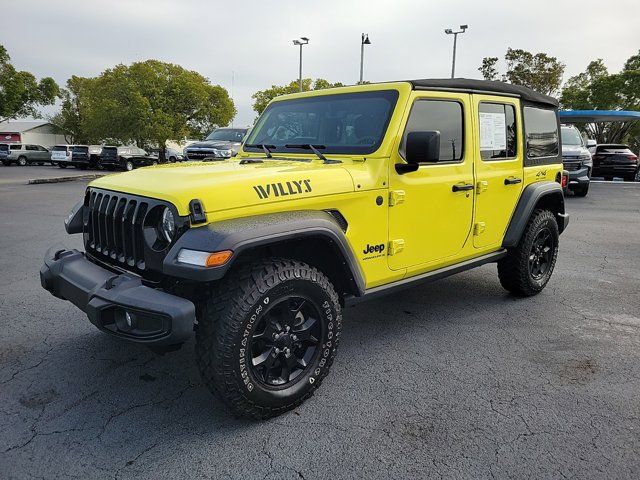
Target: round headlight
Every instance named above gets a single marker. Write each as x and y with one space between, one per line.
167 225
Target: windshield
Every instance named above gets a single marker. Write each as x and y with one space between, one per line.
59 148
228 134
341 123
571 136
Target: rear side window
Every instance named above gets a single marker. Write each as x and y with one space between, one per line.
444 116
498 138
541 127
32 148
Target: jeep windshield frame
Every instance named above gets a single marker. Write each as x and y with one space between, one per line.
344 123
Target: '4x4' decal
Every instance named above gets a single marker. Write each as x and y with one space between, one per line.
280 189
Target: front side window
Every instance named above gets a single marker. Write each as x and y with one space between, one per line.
444 116
350 123
541 127
16 147
498 135
31 148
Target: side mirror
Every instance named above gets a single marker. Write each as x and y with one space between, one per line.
591 143
420 147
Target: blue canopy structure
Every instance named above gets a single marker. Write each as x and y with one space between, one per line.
597 116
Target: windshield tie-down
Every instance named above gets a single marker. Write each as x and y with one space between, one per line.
264 147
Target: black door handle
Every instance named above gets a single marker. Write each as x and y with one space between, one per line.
512 181
461 188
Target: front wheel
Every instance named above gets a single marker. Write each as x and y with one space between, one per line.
637 176
22 161
128 166
528 267
267 336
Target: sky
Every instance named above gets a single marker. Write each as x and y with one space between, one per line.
247 46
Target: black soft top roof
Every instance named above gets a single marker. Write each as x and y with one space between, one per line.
486 86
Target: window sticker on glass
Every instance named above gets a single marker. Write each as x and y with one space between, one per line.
493 131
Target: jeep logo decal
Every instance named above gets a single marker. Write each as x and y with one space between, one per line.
373 249
279 189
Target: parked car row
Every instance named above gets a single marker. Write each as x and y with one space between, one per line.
82 156
585 159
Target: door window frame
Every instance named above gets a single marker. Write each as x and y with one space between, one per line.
518 130
462 159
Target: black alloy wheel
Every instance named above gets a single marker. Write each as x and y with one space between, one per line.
541 254
285 342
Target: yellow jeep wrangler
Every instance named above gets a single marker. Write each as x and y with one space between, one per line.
336 196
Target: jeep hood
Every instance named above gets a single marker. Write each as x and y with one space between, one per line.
230 184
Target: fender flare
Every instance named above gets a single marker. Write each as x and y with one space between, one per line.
530 198
245 233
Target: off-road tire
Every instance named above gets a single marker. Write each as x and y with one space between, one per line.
22 161
228 318
514 270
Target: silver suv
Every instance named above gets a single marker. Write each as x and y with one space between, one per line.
22 154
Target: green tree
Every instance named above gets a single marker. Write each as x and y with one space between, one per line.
71 117
20 92
262 97
539 71
597 89
146 103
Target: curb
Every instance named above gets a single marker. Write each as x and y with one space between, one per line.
92 176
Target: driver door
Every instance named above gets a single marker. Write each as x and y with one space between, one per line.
431 209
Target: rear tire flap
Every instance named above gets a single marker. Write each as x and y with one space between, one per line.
226 319
513 270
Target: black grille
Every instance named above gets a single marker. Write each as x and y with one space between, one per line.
113 228
572 166
198 155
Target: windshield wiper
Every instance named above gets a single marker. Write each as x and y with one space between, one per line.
265 148
315 149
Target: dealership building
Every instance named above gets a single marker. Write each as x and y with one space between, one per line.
31 132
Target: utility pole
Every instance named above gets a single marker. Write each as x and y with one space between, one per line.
364 41
301 41
448 31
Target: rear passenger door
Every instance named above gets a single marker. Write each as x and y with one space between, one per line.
499 166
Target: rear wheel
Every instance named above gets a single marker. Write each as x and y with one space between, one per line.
22 161
128 166
528 267
267 336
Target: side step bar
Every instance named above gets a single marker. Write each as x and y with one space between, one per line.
409 282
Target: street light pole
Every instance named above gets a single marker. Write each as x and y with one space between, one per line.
364 41
301 41
448 31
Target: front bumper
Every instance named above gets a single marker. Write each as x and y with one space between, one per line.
578 177
118 304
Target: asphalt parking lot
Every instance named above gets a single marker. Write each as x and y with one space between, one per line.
453 379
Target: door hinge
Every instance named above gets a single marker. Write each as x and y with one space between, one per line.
396 197
396 246
479 228
482 186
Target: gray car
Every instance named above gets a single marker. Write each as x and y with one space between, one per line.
576 159
24 153
220 144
